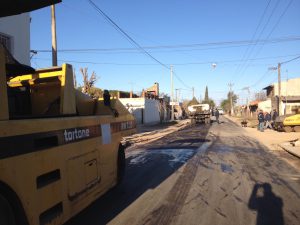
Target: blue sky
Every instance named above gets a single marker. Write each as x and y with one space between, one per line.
175 23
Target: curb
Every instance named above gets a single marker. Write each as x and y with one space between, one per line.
290 149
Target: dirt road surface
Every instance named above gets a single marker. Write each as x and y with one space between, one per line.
206 175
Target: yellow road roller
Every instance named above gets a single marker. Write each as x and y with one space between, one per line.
288 123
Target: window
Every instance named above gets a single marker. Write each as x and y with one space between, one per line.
6 41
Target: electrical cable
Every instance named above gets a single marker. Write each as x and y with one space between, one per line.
216 45
290 60
253 36
120 30
244 67
178 78
176 64
272 30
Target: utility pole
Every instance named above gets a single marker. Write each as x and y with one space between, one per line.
53 29
279 89
172 94
193 92
176 94
286 88
230 93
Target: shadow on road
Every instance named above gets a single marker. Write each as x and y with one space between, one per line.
145 170
267 204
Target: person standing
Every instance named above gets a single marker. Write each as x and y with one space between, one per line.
217 114
268 121
261 120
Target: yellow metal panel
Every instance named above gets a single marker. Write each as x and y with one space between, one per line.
17 81
75 171
36 76
67 101
292 120
49 196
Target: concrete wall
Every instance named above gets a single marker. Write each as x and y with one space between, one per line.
289 107
151 113
144 110
290 88
265 105
18 28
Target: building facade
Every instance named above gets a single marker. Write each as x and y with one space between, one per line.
290 96
15 36
145 111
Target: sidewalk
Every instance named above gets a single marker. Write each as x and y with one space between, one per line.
274 140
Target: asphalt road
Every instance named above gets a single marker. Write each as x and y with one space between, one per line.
206 174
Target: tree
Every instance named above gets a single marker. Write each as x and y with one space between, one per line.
193 102
206 98
89 82
225 104
234 97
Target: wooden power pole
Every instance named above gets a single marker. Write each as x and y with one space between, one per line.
172 94
53 29
279 89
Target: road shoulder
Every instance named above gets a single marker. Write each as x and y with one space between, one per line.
275 141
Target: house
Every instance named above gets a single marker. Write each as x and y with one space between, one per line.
145 110
15 36
148 108
265 106
290 96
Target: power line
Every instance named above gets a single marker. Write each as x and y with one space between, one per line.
260 79
275 25
217 45
272 30
181 81
130 39
244 67
178 64
290 60
253 36
120 30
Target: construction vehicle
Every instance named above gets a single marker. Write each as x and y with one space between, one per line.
199 113
288 123
60 149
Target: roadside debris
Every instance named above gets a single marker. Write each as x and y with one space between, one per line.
149 136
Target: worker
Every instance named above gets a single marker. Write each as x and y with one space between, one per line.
268 121
217 114
261 121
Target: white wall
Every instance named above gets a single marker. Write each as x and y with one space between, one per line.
151 112
18 27
135 106
143 109
265 106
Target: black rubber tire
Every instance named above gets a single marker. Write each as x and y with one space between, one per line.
6 212
297 128
121 164
288 129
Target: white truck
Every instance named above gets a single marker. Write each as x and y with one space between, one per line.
199 113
